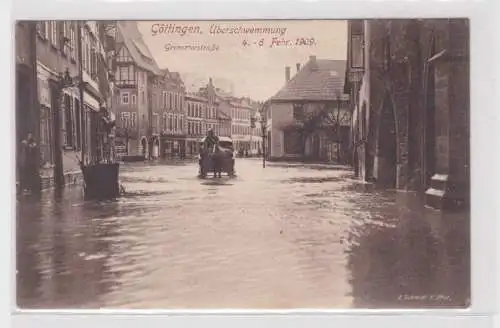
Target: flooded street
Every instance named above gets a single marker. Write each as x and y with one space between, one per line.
284 236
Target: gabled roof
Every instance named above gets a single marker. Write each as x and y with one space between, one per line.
318 80
132 38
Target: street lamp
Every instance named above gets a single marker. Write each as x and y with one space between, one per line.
263 125
65 79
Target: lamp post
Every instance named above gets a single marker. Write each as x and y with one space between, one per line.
263 125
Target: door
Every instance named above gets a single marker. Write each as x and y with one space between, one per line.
45 136
315 149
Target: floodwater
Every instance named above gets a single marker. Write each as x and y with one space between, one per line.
284 236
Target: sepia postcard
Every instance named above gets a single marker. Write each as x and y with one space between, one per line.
267 164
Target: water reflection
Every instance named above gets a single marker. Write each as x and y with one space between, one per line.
413 257
272 238
61 250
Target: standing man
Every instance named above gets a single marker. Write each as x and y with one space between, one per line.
211 141
29 166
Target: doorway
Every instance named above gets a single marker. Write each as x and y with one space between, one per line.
429 151
315 151
387 146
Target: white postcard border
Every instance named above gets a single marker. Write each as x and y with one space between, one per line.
483 160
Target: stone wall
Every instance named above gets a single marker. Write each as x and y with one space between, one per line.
395 75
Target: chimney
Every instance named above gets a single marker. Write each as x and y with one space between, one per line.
210 80
287 73
298 67
312 61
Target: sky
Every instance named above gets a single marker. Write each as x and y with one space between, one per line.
202 49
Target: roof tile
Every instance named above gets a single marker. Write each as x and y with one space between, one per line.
317 81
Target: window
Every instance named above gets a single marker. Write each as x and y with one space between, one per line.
134 99
126 75
298 111
133 120
125 120
42 29
93 64
53 33
68 121
156 122
176 121
125 98
85 56
357 51
65 38
72 40
143 100
164 122
77 123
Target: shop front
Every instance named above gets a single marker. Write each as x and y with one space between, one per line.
172 146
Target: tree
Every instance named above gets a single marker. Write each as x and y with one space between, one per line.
325 116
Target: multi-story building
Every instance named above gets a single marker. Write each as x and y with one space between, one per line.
219 116
27 108
70 56
196 126
60 109
173 115
308 118
96 87
409 85
211 116
224 123
136 72
242 114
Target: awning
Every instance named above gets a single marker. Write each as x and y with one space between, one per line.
91 102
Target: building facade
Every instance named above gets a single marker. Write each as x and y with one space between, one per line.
309 117
174 121
196 127
27 108
224 124
62 89
69 57
135 74
218 112
409 82
241 112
